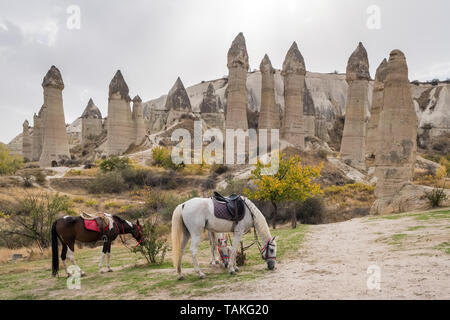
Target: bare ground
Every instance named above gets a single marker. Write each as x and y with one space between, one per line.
411 252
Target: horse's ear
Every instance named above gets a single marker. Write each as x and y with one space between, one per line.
274 238
137 222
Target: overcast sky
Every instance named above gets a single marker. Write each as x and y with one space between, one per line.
154 41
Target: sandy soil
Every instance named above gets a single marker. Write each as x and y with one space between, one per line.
333 263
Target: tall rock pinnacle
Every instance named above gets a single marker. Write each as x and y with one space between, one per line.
269 115
372 138
55 146
397 133
236 117
91 122
294 71
121 131
353 145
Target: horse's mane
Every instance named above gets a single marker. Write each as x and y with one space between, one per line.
119 219
260 221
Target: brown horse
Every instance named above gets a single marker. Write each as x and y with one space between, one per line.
70 229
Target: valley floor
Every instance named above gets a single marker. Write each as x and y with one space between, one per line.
412 252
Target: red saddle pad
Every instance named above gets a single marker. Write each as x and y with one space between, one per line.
92 225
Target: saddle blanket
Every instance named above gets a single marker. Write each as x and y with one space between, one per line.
92 225
221 211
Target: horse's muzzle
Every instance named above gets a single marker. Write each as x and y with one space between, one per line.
271 264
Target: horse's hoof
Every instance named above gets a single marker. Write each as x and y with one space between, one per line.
202 276
180 278
110 270
232 273
236 269
83 274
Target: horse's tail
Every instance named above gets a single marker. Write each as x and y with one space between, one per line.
55 258
177 235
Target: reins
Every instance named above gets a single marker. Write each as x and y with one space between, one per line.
256 240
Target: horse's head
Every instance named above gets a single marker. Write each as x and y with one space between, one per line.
269 252
224 251
136 232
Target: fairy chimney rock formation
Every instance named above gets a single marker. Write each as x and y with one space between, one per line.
293 72
120 123
210 109
354 135
55 142
91 122
27 143
377 105
177 102
236 114
38 134
269 115
309 113
138 119
397 133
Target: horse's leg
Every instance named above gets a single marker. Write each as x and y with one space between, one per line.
195 241
236 240
213 247
184 242
71 252
108 258
104 251
64 256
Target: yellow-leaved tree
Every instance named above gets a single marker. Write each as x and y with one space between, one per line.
292 182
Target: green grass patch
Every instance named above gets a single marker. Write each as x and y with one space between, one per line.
445 246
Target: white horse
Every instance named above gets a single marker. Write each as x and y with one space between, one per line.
190 218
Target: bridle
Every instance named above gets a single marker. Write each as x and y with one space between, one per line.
123 232
263 250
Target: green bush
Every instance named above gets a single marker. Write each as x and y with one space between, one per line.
154 246
311 211
109 182
162 158
436 197
115 163
9 164
34 216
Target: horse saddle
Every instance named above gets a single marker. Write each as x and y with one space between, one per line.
97 222
230 208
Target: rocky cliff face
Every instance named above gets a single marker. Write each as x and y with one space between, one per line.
328 92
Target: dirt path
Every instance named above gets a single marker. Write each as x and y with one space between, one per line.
333 263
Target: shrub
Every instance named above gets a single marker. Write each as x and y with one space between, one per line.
162 158
322 154
111 204
27 181
154 246
210 182
73 172
435 197
311 211
115 163
91 203
40 178
219 168
78 200
109 182
34 216
9 164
